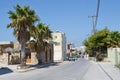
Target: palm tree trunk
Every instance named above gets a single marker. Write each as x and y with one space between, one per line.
23 54
40 57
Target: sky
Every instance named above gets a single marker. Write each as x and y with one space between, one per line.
68 16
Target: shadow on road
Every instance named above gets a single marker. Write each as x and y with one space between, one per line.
45 65
5 70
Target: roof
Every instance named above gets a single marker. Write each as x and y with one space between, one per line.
6 42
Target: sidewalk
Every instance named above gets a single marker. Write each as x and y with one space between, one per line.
110 69
102 71
30 67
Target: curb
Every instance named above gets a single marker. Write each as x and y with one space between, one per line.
33 68
24 70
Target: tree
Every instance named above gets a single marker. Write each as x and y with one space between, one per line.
98 42
41 36
114 39
23 19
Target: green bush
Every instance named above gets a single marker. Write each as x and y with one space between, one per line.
99 57
118 66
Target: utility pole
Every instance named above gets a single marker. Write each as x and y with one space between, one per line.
93 23
94 30
98 5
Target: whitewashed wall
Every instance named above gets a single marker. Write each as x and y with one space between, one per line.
114 55
59 39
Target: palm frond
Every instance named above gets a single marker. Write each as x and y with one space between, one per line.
12 15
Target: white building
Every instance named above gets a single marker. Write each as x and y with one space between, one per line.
59 39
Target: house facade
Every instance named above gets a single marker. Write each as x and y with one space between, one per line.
4 58
59 40
13 55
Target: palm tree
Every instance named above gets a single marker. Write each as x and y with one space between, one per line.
42 34
23 19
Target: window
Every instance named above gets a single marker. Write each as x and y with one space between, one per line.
55 37
57 44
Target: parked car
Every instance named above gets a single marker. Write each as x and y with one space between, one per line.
72 58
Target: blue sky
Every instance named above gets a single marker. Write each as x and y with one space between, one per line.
68 16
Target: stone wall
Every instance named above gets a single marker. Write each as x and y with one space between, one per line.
14 58
7 58
4 59
34 58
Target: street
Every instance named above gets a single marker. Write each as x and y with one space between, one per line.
68 70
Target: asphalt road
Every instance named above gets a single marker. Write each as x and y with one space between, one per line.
68 70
